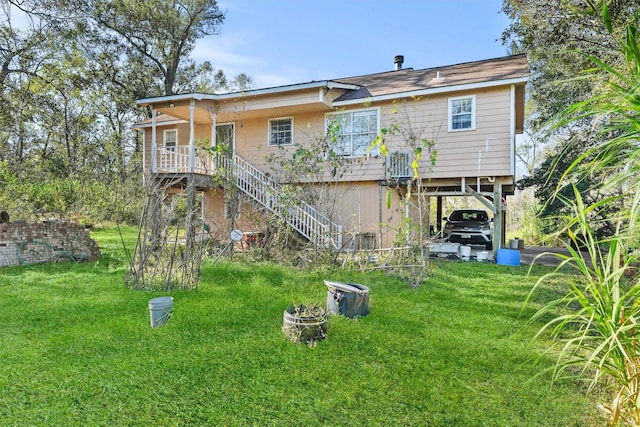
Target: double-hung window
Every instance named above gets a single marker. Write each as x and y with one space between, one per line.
462 113
170 139
281 131
350 133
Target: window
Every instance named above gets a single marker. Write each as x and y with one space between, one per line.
281 131
170 138
353 132
462 114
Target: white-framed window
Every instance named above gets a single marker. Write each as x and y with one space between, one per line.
462 113
351 132
170 138
281 131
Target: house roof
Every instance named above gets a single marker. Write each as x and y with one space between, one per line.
504 70
488 72
162 119
253 92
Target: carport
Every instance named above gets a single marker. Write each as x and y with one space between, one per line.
489 191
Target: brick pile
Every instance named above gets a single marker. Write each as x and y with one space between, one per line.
34 242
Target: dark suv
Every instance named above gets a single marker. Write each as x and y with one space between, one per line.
468 226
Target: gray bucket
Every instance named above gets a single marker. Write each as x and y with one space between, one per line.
348 299
160 310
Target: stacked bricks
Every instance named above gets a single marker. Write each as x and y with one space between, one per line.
35 242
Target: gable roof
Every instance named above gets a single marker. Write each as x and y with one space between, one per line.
392 84
504 70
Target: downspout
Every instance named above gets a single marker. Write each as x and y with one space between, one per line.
512 132
154 166
192 145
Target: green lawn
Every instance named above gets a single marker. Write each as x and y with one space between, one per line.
76 348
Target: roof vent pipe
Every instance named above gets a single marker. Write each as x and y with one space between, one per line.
398 60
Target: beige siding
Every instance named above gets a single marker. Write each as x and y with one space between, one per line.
202 134
250 220
360 207
247 106
484 151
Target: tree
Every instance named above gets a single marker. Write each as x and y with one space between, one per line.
419 142
598 330
69 79
559 36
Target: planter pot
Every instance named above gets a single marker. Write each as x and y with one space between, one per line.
302 324
349 299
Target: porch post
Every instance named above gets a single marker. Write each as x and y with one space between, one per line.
214 142
154 166
214 123
192 151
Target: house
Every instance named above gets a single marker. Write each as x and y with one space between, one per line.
457 122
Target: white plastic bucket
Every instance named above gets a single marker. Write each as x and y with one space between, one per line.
160 310
482 256
465 253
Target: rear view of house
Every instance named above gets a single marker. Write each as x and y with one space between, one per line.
448 131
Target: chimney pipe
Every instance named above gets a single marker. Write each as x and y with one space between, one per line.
398 60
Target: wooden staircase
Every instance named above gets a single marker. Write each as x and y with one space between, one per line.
302 217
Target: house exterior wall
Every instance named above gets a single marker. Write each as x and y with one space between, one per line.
360 207
249 220
246 105
485 151
359 198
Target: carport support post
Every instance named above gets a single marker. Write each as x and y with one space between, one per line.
439 213
498 229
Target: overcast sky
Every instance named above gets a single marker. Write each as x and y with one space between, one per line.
280 42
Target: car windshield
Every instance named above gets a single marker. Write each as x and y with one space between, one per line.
469 216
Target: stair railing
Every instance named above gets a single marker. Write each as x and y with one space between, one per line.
302 217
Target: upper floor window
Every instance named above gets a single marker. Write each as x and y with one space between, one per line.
353 131
281 131
462 113
170 138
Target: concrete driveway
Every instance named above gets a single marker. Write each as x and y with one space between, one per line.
538 255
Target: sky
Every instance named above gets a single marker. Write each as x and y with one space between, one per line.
280 42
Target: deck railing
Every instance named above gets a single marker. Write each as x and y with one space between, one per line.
302 217
177 160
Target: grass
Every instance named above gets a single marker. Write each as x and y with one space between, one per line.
76 348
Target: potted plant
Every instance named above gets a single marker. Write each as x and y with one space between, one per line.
305 323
